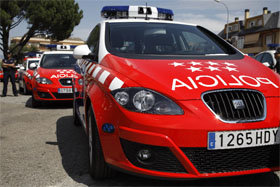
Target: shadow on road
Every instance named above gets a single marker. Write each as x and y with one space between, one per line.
72 143
50 104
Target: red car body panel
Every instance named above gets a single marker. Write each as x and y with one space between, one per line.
27 77
1 75
191 128
160 74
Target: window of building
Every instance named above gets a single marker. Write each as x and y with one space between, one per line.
240 42
268 39
235 27
259 23
251 24
229 28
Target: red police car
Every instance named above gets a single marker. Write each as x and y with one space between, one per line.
173 100
52 80
1 74
26 74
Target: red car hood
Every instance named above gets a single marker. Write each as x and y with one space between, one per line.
56 73
187 79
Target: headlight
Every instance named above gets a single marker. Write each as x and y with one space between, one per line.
43 80
146 101
143 100
122 98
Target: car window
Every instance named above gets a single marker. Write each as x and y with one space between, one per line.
162 39
93 41
259 57
267 58
58 61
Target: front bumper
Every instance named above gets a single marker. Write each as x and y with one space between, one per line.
179 144
49 93
172 161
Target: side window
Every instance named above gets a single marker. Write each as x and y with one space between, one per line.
259 57
93 41
267 58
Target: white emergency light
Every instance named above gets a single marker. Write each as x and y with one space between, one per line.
144 12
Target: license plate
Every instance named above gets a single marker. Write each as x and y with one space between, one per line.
65 90
242 139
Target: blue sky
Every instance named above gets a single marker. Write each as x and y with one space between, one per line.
206 13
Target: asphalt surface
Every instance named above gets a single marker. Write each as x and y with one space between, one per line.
42 147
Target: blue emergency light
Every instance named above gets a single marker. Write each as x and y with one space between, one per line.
146 12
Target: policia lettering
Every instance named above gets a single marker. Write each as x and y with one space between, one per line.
213 81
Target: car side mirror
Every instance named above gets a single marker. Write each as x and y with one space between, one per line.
83 52
267 64
33 66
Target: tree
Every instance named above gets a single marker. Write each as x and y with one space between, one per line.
55 18
20 55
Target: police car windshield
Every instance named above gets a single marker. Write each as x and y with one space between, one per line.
58 61
144 39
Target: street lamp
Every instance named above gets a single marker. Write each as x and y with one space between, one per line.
219 1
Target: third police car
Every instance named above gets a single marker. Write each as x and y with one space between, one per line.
173 100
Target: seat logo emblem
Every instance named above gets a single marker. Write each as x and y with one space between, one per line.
238 104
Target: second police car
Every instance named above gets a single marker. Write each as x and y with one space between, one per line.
52 80
173 100
26 74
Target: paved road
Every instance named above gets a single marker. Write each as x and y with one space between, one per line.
42 147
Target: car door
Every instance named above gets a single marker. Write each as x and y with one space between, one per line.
93 45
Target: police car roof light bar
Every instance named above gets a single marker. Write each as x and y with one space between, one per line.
145 12
114 12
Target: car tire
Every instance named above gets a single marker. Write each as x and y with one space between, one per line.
34 102
20 88
76 119
98 168
25 92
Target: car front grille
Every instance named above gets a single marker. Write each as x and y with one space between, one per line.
220 102
66 81
230 160
162 158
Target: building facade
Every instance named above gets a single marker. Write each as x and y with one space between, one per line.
255 34
45 44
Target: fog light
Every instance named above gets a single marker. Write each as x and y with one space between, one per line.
144 154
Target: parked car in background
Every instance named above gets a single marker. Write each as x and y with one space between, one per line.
1 74
173 100
26 74
267 58
52 79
